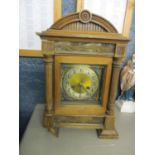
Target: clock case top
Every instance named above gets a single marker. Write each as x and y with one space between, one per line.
86 32
82 35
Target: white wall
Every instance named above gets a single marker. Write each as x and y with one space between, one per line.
34 16
112 10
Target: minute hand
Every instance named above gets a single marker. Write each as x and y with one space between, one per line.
81 86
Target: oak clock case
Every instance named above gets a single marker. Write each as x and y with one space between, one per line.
83 54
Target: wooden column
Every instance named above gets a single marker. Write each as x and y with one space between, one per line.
48 52
114 85
109 131
48 83
116 67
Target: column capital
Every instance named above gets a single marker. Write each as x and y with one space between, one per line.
48 58
48 47
117 62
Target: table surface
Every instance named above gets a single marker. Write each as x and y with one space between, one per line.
38 141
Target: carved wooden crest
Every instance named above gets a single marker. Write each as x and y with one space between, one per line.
84 21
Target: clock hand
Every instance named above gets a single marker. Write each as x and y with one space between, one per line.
85 89
80 89
81 86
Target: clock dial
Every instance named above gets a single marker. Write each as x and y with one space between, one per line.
80 82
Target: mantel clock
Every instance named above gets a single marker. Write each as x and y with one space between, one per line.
83 54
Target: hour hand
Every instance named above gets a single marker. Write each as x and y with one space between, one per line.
85 89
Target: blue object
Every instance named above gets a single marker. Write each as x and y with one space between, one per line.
129 95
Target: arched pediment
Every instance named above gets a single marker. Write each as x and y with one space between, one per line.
84 21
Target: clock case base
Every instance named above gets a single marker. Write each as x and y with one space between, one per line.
104 125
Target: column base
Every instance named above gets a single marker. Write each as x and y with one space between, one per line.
54 131
107 134
47 120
